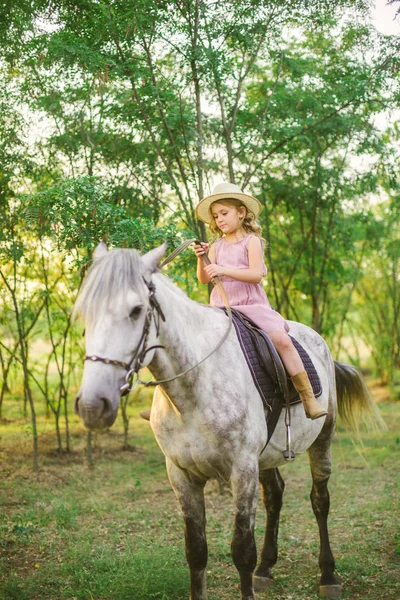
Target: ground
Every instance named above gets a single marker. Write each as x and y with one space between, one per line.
115 532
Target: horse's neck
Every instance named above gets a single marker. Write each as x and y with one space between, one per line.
189 332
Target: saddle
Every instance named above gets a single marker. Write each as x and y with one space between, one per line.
269 375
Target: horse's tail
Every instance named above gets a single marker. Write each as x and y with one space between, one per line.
355 404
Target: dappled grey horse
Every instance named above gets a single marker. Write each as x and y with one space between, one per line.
209 423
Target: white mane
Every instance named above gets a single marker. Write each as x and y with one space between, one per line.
119 270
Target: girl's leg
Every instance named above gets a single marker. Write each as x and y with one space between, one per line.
295 368
288 353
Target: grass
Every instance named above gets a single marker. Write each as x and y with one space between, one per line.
115 532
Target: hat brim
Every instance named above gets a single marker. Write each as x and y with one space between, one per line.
203 207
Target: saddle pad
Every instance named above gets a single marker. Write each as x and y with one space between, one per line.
266 380
309 367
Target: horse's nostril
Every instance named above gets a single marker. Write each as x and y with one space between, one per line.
97 412
107 408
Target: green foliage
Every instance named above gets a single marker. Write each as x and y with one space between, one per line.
117 117
378 300
77 214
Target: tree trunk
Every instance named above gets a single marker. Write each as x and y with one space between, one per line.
89 448
125 419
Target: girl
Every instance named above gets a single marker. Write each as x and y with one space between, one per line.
237 257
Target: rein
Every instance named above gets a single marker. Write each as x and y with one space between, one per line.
155 309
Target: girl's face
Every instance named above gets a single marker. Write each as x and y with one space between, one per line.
227 217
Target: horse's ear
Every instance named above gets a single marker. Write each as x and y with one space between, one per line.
100 251
152 259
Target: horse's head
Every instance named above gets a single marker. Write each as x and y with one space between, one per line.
120 325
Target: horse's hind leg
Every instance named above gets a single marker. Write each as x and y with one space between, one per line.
272 486
321 466
190 495
244 489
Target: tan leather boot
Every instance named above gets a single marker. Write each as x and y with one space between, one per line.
311 406
145 414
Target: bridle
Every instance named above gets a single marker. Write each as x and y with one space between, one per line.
154 312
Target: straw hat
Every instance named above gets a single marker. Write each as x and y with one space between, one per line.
225 191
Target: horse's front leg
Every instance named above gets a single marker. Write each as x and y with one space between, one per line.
273 486
190 495
244 489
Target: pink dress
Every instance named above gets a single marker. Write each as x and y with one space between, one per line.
248 298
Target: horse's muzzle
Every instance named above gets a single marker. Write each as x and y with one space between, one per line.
97 414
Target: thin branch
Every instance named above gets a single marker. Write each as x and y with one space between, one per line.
165 122
145 118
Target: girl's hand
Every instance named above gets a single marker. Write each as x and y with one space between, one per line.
212 270
200 249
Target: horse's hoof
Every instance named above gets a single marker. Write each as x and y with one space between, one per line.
260 584
330 591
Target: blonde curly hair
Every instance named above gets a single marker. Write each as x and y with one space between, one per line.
249 223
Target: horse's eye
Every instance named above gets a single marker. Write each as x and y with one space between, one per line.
135 312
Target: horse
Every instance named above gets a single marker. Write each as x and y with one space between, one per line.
209 423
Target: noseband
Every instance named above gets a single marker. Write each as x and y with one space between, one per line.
155 312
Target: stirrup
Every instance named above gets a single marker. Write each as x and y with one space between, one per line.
288 454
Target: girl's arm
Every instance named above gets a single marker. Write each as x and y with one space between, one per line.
253 274
202 275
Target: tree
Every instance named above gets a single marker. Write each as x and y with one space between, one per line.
378 296
142 106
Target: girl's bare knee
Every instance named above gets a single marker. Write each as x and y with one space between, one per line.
281 340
